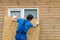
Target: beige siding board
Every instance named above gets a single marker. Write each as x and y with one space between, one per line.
54 5
49 16
42 5
12 1
44 1
1 20
43 9
54 9
8 1
5 4
28 1
55 1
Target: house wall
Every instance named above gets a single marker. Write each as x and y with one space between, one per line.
49 11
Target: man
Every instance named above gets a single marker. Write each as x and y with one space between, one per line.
23 27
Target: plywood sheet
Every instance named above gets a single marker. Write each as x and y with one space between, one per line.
9 29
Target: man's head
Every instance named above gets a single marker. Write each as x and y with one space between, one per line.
29 17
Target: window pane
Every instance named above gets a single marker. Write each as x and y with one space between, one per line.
15 13
30 11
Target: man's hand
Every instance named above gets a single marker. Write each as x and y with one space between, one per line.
38 22
14 19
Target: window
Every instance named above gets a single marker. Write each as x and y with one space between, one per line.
23 12
30 11
17 13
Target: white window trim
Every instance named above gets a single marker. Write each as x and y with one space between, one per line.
22 9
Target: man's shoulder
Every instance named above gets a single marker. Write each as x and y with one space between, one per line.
29 23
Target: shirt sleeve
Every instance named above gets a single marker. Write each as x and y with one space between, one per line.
18 20
27 26
31 25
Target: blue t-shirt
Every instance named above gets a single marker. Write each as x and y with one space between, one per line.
23 29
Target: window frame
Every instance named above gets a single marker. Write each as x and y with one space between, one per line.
22 13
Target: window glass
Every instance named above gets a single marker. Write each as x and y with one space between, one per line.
30 11
15 13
